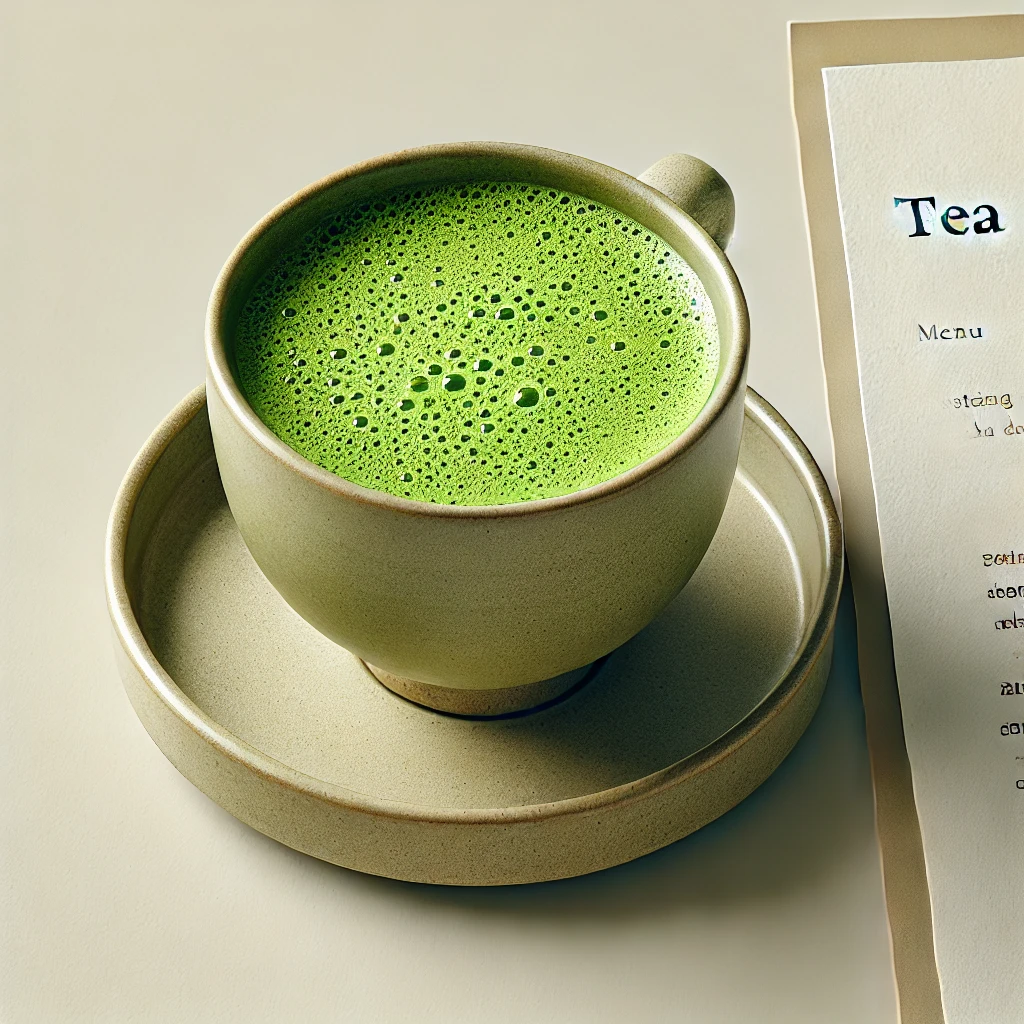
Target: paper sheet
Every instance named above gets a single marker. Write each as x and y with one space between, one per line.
929 163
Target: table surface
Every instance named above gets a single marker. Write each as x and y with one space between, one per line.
143 140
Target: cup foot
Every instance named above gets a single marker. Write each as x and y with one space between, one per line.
482 703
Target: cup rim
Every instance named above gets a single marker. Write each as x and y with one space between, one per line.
730 374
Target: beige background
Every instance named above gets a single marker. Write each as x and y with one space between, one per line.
142 140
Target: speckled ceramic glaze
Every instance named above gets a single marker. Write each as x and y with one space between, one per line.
440 599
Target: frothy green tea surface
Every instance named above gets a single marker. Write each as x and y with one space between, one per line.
478 344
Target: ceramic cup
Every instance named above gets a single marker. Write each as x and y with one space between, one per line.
485 609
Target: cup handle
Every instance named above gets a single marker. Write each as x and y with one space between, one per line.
697 189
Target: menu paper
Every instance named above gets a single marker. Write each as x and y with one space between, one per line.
929 170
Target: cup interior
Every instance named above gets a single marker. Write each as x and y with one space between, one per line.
452 163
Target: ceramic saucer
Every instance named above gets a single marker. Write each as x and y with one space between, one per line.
293 735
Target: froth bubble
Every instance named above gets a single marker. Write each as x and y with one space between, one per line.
454 382
360 421
338 353
419 384
386 349
526 397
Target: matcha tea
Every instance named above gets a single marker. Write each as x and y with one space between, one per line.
478 344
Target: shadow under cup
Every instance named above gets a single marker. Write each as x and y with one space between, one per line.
440 599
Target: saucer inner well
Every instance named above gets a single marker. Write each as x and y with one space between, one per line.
233 646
